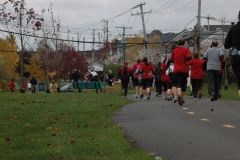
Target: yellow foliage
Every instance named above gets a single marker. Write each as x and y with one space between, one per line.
8 58
35 69
132 50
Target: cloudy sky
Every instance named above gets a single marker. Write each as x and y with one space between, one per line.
82 16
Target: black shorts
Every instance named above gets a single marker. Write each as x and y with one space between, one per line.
135 82
181 80
146 83
166 86
173 79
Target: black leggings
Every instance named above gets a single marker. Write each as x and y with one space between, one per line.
236 68
125 85
196 86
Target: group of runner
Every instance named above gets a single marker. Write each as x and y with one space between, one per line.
171 74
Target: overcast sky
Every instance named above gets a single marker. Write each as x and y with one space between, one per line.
171 15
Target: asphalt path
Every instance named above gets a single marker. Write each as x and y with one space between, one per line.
201 130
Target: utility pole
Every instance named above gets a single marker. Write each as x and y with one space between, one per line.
84 44
199 26
22 48
93 46
124 28
78 41
144 29
208 18
123 39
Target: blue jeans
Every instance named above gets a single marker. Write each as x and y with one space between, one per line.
213 78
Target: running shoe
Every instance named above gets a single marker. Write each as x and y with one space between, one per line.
212 96
183 102
180 102
200 95
141 96
220 95
175 100
148 96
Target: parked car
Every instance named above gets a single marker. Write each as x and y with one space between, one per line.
67 88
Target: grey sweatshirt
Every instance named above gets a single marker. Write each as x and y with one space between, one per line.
213 56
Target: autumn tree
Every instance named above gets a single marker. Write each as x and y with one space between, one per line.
71 59
134 48
15 17
8 58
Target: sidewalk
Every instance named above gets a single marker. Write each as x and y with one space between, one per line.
196 131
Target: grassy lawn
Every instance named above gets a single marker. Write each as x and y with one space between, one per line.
63 126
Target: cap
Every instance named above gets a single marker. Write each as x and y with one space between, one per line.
125 63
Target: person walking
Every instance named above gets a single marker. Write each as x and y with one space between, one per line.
158 82
29 87
172 78
12 85
110 78
75 76
125 73
135 77
166 82
33 82
213 56
196 66
233 41
179 57
147 71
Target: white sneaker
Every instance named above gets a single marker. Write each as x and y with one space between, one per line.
136 95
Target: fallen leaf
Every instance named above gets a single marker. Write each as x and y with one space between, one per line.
212 110
54 134
8 139
72 141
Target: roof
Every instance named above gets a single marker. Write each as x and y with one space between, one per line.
225 28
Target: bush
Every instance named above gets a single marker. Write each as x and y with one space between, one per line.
4 85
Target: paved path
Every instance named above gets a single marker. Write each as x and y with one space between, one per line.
201 130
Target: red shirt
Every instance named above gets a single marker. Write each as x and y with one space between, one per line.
147 71
222 60
24 85
164 76
179 57
134 68
11 84
196 68
121 70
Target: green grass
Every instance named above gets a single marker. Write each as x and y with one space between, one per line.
63 126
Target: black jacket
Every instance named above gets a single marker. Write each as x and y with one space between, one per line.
33 81
233 37
157 73
75 76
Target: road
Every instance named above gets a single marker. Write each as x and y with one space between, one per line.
201 130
